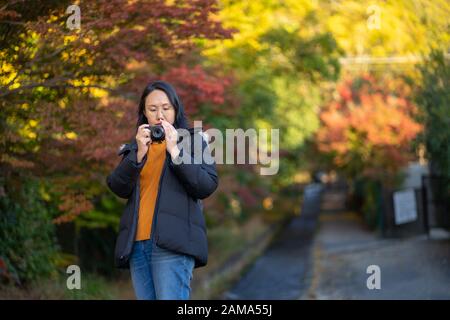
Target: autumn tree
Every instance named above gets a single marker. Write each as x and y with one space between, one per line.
69 97
68 100
368 128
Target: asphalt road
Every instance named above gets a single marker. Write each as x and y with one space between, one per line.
324 254
282 271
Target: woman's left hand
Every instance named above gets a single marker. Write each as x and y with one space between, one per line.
171 138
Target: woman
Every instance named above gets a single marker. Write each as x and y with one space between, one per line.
162 233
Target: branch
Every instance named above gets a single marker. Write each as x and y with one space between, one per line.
13 22
37 58
55 83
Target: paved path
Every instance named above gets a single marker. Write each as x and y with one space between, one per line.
282 271
326 257
411 268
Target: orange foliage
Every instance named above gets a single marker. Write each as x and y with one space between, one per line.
369 127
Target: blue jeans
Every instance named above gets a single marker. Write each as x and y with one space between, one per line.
160 274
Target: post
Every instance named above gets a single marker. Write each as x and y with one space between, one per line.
425 206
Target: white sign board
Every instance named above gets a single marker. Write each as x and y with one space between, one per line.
405 206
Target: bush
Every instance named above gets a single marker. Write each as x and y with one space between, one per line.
434 101
27 241
366 198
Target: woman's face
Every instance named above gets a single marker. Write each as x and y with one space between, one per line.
158 107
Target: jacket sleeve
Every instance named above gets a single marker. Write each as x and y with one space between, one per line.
124 177
200 180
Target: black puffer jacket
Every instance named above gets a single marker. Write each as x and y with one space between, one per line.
178 224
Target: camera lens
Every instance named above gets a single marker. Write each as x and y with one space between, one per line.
157 133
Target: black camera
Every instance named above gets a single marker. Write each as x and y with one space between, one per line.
157 133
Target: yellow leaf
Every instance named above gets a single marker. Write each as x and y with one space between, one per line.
268 203
14 86
65 56
98 93
71 135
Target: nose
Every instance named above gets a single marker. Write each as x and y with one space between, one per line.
160 115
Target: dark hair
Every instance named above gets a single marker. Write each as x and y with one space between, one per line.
180 117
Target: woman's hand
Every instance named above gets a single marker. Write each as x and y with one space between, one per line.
171 138
143 141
